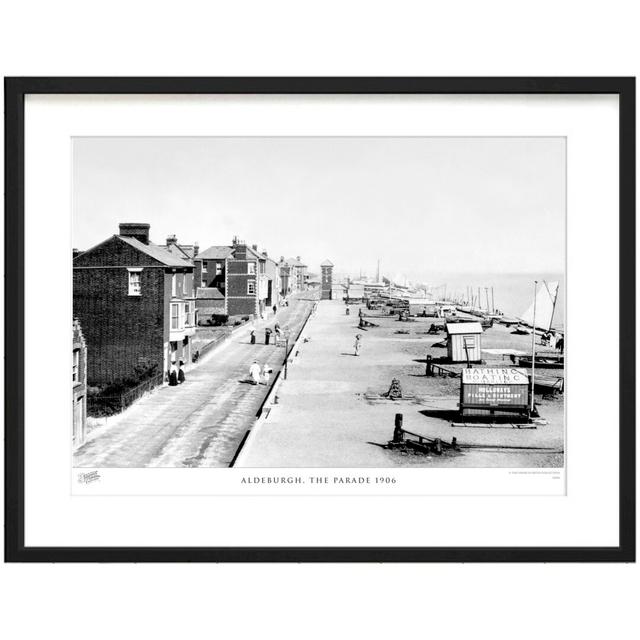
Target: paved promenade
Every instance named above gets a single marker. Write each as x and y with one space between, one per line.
200 423
330 412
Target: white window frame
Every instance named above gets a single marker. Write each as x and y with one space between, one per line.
174 285
179 317
218 269
132 288
76 366
204 266
251 284
251 268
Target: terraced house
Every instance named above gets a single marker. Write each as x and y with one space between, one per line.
134 301
236 280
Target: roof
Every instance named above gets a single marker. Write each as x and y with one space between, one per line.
487 375
294 262
184 251
157 253
327 263
208 293
458 328
256 254
216 252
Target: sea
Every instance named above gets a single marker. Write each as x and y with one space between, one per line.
512 293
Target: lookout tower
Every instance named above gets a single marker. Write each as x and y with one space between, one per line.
327 279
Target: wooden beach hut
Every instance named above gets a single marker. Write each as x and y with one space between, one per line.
464 341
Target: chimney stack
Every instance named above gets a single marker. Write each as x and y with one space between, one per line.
137 230
172 239
196 249
254 247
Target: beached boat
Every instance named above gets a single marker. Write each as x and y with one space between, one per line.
542 361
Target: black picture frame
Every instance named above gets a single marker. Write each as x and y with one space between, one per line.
15 91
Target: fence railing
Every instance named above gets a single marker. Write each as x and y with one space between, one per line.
98 406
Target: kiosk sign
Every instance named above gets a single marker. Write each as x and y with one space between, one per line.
493 388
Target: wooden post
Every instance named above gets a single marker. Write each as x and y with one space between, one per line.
397 431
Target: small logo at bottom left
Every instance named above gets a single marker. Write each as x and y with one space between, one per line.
88 477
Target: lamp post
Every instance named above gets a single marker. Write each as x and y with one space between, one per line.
285 331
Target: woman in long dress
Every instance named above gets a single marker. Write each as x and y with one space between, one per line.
357 345
254 372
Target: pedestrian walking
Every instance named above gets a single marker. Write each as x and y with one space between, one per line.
254 372
253 336
173 375
275 309
267 335
358 345
266 373
181 377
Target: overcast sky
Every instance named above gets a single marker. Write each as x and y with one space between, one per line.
424 206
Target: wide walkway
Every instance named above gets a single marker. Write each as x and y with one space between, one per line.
331 412
200 423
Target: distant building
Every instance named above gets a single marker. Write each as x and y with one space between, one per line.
134 300
338 292
326 280
235 280
293 275
79 382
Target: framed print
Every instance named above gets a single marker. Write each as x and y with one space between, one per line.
320 319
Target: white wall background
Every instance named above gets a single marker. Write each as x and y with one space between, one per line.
321 38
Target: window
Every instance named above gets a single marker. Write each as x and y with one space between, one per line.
204 267
176 317
76 365
174 285
218 268
251 268
251 287
135 282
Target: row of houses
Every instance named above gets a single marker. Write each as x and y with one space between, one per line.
136 304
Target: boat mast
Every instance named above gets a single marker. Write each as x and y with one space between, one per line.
493 304
533 347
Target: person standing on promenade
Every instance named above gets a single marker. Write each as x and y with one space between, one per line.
253 336
254 372
266 373
267 335
181 377
173 375
275 309
358 345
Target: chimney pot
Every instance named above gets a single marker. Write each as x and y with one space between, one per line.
172 239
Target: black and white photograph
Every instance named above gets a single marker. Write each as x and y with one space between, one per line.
318 302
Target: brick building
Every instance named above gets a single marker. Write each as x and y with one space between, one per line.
79 382
327 280
237 280
134 302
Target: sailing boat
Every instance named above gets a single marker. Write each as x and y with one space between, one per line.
539 318
543 306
